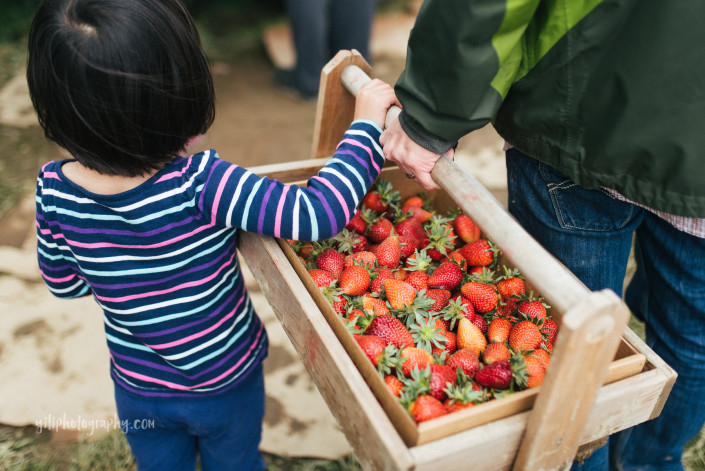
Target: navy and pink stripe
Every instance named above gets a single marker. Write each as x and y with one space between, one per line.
161 259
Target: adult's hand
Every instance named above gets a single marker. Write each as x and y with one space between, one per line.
410 157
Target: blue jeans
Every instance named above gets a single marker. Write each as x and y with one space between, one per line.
591 233
168 433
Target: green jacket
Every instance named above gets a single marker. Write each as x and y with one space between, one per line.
609 92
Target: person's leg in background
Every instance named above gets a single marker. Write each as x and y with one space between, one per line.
668 294
589 231
309 29
351 25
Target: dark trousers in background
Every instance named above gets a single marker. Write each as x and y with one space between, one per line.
321 28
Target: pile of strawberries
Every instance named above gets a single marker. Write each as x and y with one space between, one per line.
423 296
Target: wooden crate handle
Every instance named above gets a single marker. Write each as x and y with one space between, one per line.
591 325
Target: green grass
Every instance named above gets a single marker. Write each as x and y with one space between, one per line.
21 449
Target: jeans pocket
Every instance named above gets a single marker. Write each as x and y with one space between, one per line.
584 209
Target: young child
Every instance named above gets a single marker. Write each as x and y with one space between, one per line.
123 85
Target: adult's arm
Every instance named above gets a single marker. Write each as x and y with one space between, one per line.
462 57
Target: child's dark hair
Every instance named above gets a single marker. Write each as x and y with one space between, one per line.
121 84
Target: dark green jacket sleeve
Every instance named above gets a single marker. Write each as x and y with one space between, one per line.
462 57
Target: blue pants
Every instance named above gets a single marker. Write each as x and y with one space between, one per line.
321 28
591 233
225 430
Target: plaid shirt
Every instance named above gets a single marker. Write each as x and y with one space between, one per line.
692 226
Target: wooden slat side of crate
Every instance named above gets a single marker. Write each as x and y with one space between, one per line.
352 403
494 445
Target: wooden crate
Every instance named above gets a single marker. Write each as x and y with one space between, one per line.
602 378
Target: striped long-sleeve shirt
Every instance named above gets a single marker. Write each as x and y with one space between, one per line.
161 259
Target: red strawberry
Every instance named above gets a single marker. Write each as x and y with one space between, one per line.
351 321
507 308
415 201
448 275
331 261
480 323
497 375
480 253
511 284
380 230
470 337
417 279
441 375
456 406
408 245
441 241
413 357
425 408
548 346
550 330
498 330
322 278
354 280
394 384
525 335
495 352
389 252
391 330
306 249
450 345
349 242
417 213
383 273
339 305
374 306
373 201
533 308
400 274
399 293
466 228
534 371
361 246
357 224
483 296
468 310
411 227
365 258
466 360
543 356
440 296
373 346
457 257
381 197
